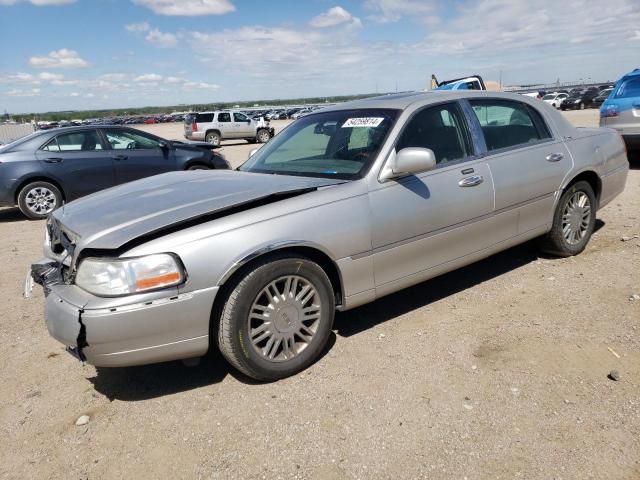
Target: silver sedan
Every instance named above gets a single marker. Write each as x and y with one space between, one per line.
346 205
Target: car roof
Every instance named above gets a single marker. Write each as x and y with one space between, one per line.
401 101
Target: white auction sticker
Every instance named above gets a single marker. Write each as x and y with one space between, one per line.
362 122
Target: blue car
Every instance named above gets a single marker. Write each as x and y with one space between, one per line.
621 110
41 171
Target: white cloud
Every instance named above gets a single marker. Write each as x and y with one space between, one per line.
334 16
636 35
514 27
386 11
63 58
161 39
18 77
138 27
188 7
34 92
48 77
153 35
174 80
74 94
113 77
201 85
148 77
39 3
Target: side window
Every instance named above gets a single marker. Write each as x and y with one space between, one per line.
83 141
441 129
507 124
239 117
224 117
629 89
125 140
204 118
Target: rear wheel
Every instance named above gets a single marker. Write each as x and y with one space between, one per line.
38 199
277 319
573 221
213 138
263 136
198 167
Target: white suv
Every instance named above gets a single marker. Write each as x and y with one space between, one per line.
213 127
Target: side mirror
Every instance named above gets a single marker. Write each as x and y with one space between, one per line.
408 161
252 152
164 145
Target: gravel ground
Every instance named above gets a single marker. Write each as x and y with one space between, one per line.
498 370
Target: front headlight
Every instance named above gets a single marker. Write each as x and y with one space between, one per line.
577 101
107 277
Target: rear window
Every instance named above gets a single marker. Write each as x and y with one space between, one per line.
629 88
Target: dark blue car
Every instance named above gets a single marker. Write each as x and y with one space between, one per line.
45 169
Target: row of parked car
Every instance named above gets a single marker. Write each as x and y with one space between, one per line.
576 98
126 120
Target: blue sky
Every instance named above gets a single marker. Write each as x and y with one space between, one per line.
84 54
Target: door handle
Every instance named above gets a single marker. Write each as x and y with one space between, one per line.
120 157
53 160
471 181
554 157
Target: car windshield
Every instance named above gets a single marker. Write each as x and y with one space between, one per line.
339 144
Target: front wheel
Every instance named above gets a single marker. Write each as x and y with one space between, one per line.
38 199
198 167
573 221
263 136
277 319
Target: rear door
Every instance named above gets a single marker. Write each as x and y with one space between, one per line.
527 160
225 125
137 155
80 160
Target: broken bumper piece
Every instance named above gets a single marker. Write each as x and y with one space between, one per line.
126 331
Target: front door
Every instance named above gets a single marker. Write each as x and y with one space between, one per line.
242 125
80 161
425 221
137 155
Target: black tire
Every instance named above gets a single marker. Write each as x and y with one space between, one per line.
213 138
234 340
555 241
198 167
39 188
263 136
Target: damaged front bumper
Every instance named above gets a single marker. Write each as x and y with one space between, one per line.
124 331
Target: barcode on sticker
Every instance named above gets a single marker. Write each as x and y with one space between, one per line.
362 122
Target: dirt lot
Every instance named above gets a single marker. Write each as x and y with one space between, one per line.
498 370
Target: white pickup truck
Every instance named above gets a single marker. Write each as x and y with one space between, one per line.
213 127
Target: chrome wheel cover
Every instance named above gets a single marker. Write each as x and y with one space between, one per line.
576 218
263 136
284 318
40 200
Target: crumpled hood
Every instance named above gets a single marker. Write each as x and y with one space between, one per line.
113 217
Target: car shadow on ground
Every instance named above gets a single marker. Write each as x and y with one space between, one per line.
634 159
132 384
8 215
151 381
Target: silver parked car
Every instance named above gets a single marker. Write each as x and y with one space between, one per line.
344 206
213 127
